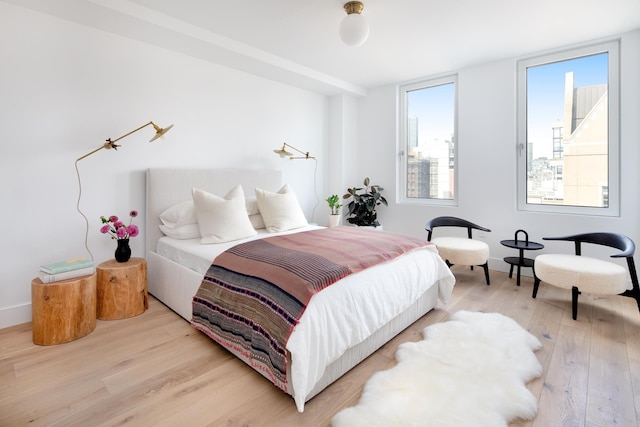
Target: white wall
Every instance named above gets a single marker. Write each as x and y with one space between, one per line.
66 88
487 159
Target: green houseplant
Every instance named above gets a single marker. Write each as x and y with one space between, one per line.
362 208
333 204
334 216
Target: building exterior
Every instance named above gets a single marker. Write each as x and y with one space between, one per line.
577 174
585 145
430 170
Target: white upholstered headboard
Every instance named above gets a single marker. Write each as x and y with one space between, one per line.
166 187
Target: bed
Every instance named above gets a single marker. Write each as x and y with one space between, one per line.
318 350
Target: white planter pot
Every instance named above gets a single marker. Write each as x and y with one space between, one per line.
378 228
334 220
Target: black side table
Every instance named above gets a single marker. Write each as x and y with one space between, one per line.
522 245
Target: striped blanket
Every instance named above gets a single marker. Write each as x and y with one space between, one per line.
253 294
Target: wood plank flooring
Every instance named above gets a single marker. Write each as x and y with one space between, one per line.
155 370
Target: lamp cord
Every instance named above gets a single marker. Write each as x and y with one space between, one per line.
315 187
86 220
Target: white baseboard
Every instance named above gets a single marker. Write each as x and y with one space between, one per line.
16 315
19 314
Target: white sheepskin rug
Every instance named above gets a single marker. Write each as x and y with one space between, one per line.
471 370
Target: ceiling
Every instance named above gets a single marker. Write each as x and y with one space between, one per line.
297 42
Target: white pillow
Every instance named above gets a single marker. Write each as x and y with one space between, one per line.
257 221
252 206
184 213
180 214
280 211
222 219
182 232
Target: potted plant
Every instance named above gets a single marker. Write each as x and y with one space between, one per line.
121 233
334 216
362 209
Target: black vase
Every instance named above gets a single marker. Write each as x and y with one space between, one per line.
123 251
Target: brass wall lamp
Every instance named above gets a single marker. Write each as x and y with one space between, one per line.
109 144
112 143
282 152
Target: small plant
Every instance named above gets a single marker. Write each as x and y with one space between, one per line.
362 209
116 228
333 204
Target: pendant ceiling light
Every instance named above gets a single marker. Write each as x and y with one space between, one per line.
354 28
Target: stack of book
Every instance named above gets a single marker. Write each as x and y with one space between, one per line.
64 270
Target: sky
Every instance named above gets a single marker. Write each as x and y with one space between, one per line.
545 95
434 108
435 105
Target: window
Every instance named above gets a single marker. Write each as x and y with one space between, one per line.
427 142
568 136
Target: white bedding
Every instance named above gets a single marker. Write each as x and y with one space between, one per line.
353 310
196 256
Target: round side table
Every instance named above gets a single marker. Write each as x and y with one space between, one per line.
121 289
522 245
63 311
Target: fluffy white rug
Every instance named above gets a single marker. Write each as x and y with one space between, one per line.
468 371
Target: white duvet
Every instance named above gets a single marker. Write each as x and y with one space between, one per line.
343 314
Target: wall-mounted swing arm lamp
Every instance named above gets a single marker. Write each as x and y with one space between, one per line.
108 145
112 143
283 152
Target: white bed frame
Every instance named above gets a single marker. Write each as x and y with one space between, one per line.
174 285
171 283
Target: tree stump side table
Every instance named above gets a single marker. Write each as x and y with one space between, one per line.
121 289
63 311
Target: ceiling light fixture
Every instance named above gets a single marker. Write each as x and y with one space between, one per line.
354 28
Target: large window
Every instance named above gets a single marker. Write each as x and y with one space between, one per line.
427 122
568 137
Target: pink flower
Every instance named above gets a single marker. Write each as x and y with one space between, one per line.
133 230
117 229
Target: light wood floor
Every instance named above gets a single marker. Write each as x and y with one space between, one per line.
154 369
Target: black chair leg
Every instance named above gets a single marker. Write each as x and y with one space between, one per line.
486 272
574 302
633 293
485 266
536 283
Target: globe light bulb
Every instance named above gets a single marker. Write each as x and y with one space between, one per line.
354 29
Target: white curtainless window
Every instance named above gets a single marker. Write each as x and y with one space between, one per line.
427 142
568 135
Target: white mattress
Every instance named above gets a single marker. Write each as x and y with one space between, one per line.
191 254
341 315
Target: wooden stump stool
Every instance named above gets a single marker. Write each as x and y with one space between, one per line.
63 311
121 289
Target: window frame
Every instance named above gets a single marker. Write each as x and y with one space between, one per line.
403 127
614 143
